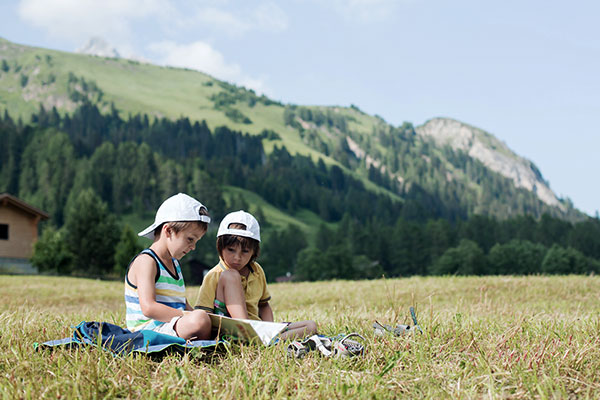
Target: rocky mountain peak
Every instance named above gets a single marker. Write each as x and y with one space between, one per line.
491 152
99 47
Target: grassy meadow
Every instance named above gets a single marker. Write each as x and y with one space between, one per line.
485 337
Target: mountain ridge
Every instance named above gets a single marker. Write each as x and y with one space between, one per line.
388 158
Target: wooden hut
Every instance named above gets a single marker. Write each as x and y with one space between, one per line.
18 232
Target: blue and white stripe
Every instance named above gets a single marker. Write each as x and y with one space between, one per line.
169 290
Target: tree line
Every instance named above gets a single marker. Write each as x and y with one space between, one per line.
480 245
88 168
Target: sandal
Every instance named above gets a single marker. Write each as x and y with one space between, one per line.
399 330
297 350
339 346
414 318
321 343
346 347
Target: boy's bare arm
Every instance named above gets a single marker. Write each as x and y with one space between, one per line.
142 273
265 312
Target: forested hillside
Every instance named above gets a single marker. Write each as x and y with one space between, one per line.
88 168
386 158
99 143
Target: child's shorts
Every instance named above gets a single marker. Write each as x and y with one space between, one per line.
220 308
168 328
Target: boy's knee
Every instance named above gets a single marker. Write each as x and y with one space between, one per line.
311 327
200 320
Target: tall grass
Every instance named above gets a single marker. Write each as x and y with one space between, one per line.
488 337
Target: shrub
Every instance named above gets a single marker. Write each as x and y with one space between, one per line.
125 250
92 234
560 260
516 257
51 253
465 259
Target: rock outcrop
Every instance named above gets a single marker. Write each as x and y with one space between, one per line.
493 153
97 46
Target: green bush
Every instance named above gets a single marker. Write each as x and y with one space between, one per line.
560 260
125 250
51 253
310 265
336 262
516 257
24 80
236 115
465 259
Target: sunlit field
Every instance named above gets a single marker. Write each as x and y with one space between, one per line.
484 337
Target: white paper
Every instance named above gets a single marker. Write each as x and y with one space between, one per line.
247 330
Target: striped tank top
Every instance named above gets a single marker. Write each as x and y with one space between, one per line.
169 289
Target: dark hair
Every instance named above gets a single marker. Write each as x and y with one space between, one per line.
233 240
178 226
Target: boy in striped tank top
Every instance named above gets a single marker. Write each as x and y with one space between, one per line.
154 287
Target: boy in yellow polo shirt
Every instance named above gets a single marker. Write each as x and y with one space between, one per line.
237 287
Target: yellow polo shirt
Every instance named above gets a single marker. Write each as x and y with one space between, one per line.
255 289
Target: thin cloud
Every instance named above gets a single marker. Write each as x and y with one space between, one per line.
220 20
77 18
119 21
270 17
266 17
203 57
367 11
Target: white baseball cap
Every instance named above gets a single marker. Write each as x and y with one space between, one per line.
252 230
179 207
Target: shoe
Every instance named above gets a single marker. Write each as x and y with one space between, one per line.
297 350
321 343
346 347
414 318
339 346
399 330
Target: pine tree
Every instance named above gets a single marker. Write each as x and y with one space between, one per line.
91 234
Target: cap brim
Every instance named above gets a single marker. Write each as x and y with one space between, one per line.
148 232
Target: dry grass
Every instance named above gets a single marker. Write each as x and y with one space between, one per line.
490 337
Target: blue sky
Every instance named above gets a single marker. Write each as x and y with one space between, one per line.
526 71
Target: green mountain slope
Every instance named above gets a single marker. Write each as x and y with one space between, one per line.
133 87
340 194
396 160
